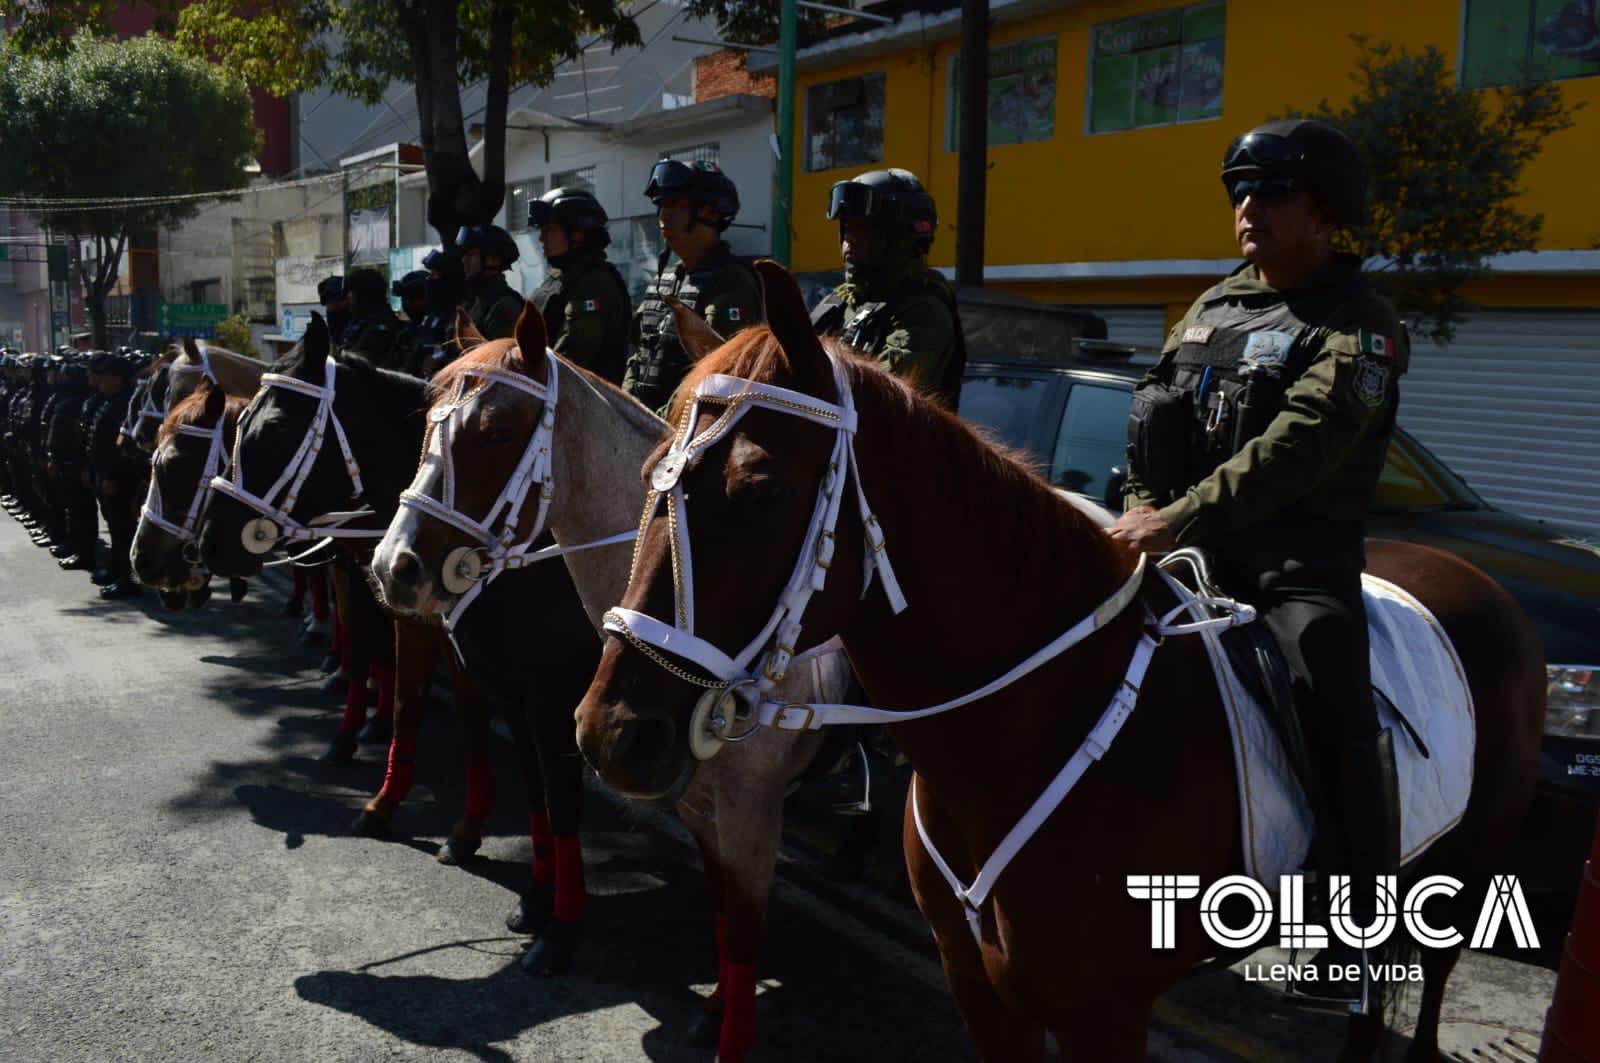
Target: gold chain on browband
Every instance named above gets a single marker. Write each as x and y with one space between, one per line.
650 652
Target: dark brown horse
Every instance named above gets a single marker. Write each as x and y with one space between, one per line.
994 565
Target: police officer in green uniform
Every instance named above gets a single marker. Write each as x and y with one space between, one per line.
429 343
487 251
694 207
373 327
1260 434
335 305
414 344
584 299
891 304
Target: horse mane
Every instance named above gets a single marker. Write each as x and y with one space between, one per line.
398 384
1028 517
191 411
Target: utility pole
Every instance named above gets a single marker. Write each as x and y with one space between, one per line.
788 41
971 190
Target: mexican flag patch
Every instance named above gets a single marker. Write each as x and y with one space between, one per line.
1377 343
591 304
735 314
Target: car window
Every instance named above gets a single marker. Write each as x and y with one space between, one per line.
1412 478
1009 406
1092 440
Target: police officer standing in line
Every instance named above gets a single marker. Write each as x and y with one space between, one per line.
19 415
411 346
487 251
8 387
48 522
694 207
891 304
429 343
1260 434
83 515
335 306
584 299
114 484
64 458
373 327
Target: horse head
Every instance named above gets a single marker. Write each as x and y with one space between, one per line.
730 510
272 438
477 438
189 449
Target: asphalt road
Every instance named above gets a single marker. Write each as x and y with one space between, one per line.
178 882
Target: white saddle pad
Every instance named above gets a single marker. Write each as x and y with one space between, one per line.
1416 668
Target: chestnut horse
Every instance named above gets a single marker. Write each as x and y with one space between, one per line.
994 565
487 407
369 423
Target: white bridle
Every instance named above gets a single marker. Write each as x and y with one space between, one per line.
467 570
153 508
713 714
150 411
276 522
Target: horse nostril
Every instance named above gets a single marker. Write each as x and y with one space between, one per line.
643 743
405 570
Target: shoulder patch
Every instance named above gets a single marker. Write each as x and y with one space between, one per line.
1200 334
591 304
1266 348
1371 382
735 313
1376 343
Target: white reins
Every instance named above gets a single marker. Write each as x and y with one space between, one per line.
153 508
276 521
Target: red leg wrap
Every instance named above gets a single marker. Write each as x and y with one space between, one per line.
355 707
319 595
480 790
569 878
402 766
738 1013
544 854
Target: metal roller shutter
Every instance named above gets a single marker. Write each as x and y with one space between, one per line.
1145 326
1511 406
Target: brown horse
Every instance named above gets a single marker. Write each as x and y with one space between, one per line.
994 565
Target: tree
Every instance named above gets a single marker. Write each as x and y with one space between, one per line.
133 124
1443 169
358 47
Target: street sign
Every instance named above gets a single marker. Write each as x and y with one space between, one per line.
198 320
59 319
56 258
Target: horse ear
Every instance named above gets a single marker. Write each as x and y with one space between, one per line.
695 333
532 338
215 398
191 348
467 334
789 319
314 344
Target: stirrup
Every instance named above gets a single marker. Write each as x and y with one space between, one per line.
863 806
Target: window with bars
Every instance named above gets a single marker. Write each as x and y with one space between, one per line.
583 177
711 153
844 122
518 196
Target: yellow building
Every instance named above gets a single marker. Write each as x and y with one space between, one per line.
1107 123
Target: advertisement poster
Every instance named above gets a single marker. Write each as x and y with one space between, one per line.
1550 39
1157 69
1022 93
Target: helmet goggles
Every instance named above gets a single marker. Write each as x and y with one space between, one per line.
668 178
850 199
1263 151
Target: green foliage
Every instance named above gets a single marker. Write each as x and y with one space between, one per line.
282 45
1443 168
129 119
233 333
757 21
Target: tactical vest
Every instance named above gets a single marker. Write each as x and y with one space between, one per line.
661 363
1227 386
552 296
866 327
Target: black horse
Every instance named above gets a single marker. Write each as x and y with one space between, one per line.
527 640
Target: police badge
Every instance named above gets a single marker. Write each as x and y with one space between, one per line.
1371 381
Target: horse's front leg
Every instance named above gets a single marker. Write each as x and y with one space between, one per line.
472 713
416 654
550 719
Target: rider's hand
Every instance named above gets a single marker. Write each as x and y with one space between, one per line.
1143 529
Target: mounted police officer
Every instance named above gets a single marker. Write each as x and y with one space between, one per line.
335 304
584 299
694 207
487 251
891 304
428 343
373 327
64 461
1261 434
115 480
413 345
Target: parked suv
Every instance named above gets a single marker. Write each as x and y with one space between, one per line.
1072 418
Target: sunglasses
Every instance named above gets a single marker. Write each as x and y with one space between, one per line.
1264 191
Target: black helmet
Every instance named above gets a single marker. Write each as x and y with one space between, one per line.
411 286
1312 151
491 242
446 264
893 198
366 286
702 183
572 208
329 289
75 374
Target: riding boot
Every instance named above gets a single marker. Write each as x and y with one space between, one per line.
1369 823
